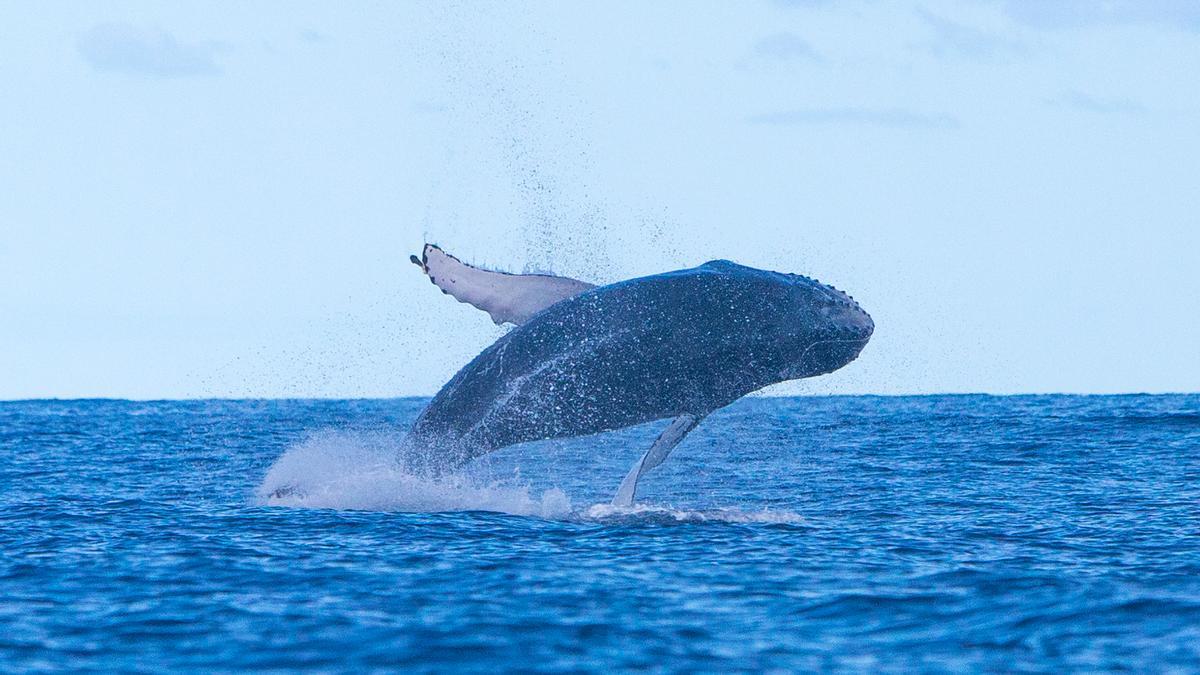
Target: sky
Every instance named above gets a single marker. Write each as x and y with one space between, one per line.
218 199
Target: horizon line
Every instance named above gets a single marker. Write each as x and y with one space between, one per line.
77 399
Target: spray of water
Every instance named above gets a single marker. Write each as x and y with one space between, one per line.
367 471
364 471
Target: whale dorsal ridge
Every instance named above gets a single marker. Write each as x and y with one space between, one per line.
507 298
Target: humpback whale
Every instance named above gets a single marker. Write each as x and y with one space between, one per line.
584 359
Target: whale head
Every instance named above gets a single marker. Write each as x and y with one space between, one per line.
826 328
804 328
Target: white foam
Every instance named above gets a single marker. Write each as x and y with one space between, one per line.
361 471
603 512
355 471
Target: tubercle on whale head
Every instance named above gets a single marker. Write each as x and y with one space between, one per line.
827 328
821 305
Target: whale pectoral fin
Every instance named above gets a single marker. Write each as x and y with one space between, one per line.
507 298
663 445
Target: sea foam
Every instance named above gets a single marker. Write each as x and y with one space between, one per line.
362 471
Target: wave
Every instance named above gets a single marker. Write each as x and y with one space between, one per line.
363 471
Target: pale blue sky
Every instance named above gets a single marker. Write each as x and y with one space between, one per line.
218 199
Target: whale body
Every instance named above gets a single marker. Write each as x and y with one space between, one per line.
673 345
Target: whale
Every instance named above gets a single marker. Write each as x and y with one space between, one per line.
584 359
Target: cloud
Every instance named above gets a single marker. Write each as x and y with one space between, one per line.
879 117
950 38
1182 14
122 48
1104 106
785 47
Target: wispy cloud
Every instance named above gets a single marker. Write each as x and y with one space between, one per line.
953 39
1104 106
1182 14
880 117
785 47
155 53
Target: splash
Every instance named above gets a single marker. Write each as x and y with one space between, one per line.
357 471
362 471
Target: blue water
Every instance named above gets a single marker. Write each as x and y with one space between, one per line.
862 533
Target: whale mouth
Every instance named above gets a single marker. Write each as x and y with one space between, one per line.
826 355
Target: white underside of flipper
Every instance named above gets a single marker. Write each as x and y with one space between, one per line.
507 298
663 445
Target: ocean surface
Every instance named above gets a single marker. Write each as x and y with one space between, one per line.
1040 533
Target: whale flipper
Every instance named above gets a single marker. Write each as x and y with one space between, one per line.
507 298
663 445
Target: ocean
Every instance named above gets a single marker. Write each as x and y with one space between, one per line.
936 533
